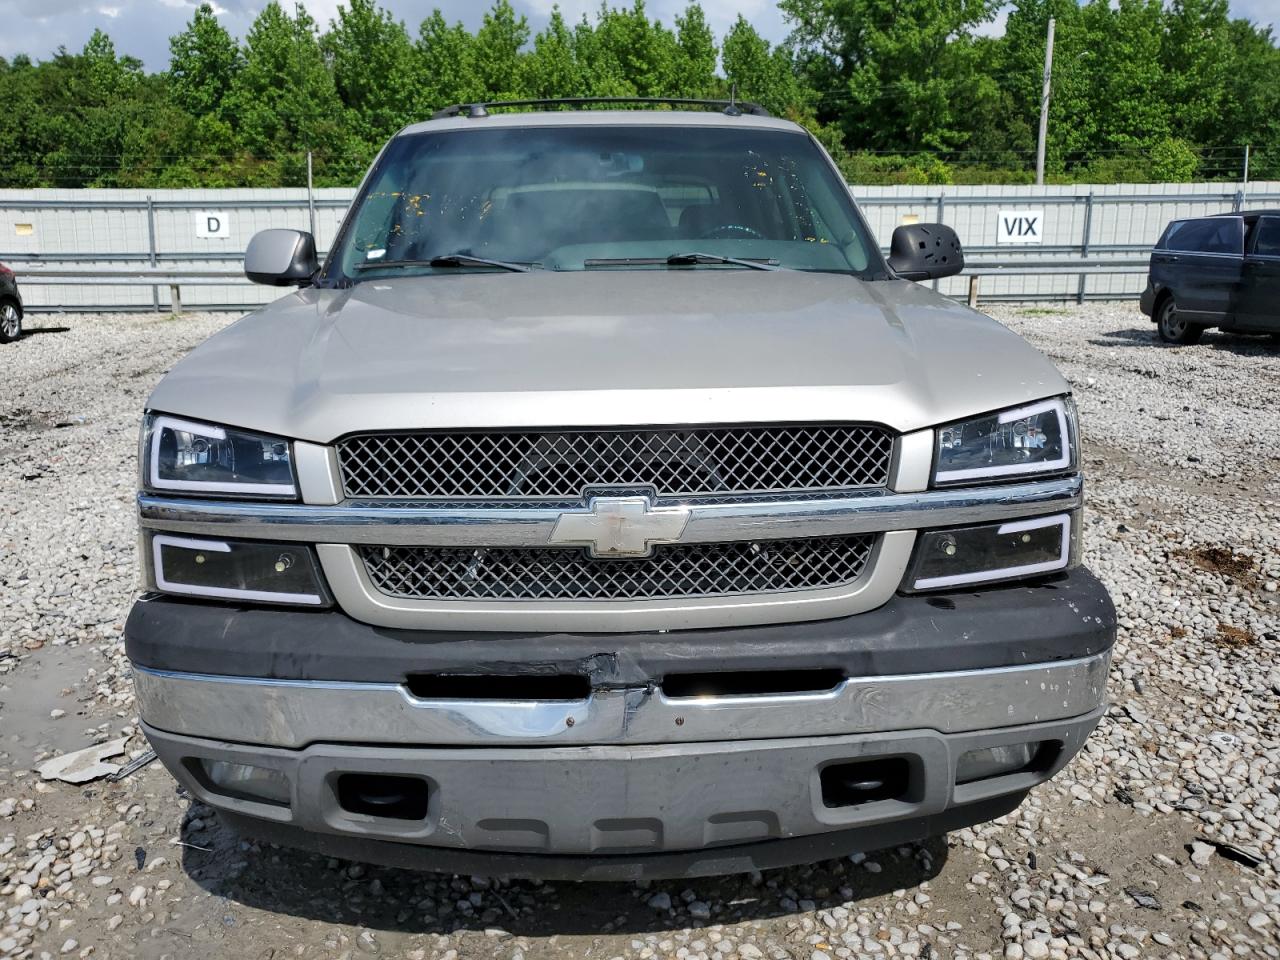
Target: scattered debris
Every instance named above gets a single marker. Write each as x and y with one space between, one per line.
1142 898
1201 853
81 766
133 766
193 846
1229 851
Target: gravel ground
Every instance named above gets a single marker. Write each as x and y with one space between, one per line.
1160 839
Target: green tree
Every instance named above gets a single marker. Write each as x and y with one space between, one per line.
641 52
1072 123
444 55
203 62
761 73
1141 89
371 57
600 62
1196 57
893 74
1251 104
285 101
496 59
695 67
1128 96
552 68
91 116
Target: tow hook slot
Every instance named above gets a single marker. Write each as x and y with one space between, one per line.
454 686
384 796
751 683
857 782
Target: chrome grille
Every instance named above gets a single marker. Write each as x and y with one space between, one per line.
673 571
689 461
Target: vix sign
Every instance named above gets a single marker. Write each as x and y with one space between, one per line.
1020 226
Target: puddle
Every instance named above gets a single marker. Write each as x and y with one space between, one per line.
30 692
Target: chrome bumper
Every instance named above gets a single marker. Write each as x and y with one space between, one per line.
293 714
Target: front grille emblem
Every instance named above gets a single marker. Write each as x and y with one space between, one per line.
620 526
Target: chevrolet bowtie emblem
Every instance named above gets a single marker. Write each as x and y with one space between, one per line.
620 526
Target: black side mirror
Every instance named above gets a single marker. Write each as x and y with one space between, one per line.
925 251
281 258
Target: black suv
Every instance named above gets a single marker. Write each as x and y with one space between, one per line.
1219 271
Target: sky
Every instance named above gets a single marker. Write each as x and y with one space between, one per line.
142 27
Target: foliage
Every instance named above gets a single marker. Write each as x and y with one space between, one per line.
897 92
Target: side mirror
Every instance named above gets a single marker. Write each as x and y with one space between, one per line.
925 251
281 258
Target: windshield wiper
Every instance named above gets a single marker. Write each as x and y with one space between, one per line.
684 260
447 260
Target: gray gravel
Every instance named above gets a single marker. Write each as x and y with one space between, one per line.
1160 839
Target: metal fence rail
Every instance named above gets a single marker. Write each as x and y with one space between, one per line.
81 248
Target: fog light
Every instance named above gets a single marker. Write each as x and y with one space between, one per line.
995 761
1005 551
237 570
245 782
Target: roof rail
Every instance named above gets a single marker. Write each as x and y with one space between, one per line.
475 111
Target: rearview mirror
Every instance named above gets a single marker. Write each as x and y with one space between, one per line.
925 251
281 258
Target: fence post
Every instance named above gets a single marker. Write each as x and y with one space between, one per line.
973 291
1244 182
311 197
175 299
942 206
1084 243
151 247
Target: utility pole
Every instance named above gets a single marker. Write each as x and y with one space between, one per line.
311 196
1244 186
1044 105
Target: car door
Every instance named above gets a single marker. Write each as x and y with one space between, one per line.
1259 307
1203 262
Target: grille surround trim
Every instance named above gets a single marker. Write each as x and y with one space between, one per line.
355 593
696 571
568 464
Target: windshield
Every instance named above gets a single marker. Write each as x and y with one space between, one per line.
602 197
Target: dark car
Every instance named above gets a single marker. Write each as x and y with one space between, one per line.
1218 271
10 306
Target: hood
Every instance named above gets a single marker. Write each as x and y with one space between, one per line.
605 348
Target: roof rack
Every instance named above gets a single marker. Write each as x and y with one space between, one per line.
731 108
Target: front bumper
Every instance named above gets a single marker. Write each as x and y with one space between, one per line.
625 812
626 781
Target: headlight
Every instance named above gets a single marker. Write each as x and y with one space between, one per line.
237 570
183 455
1037 438
992 553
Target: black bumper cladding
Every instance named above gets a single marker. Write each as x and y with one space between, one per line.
1062 619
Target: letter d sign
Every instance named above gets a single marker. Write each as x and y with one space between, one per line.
212 225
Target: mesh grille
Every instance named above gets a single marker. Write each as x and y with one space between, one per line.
568 573
561 466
